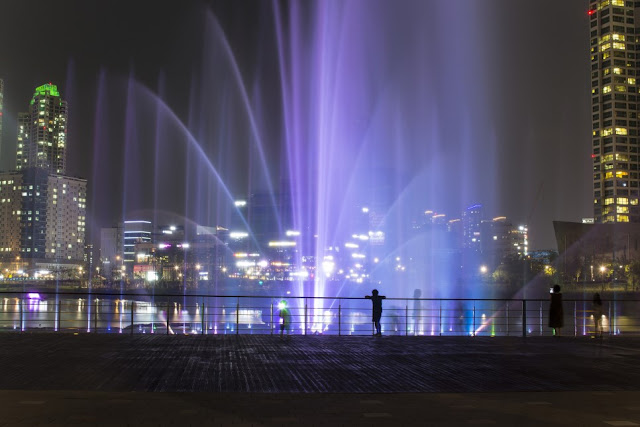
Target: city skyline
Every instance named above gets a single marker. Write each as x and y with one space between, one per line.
544 188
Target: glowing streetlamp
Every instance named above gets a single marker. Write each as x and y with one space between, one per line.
483 269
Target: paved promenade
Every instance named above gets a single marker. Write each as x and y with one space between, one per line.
63 379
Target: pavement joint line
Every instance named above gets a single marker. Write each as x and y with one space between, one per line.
539 403
376 415
621 423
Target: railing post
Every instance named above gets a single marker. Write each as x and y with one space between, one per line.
508 318
59 313
474 319
21 309
168 317
406 320
133 306
203 321
271 323
339 319
305 316
95 317
440 320
238 316
575 318
524 318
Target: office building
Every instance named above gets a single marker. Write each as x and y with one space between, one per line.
1 110
614 99
42 132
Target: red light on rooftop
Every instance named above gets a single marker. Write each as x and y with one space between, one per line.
593 156
591 12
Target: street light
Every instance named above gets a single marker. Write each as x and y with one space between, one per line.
483 269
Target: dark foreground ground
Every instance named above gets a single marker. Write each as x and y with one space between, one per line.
64 379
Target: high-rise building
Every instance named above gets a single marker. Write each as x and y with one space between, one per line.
471 220
1 111
614 98
42 211
42 132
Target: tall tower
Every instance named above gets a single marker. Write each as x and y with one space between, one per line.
42 132
614 101
1 111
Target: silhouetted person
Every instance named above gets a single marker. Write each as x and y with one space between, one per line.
285 318
597 314
377 309
556 313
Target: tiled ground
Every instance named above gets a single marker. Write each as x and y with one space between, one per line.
60 379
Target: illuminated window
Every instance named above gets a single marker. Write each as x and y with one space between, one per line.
622 209
608 201
605 46
605 55
617 2
603 3
621 157
608 175
622 201
622 218
608 158
617 71
606 132
609 218
621 131
631 81
621 174
617 45
606 89
616 36
634 202
620 88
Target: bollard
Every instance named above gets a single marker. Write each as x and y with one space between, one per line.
524 318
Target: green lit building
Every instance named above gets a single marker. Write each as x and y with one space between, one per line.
42 132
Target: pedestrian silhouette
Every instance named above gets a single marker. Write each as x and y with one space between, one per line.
597 314
556 313
376 300
285 318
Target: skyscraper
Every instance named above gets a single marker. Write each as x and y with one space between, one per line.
42 132
42 211
614 99
1 111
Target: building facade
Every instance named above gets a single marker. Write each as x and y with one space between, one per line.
614 98
1 110
42 132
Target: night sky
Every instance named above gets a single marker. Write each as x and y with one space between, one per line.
515 74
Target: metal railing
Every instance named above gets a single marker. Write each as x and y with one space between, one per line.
217 314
